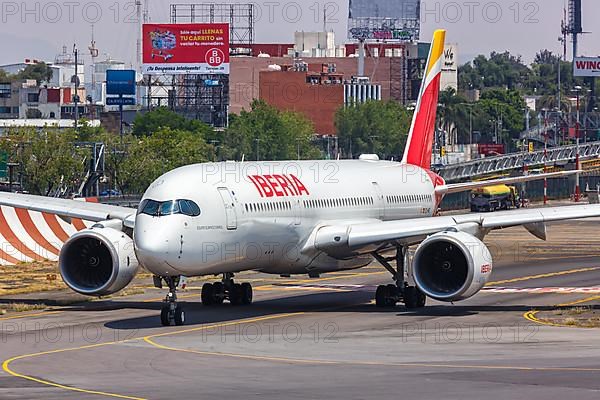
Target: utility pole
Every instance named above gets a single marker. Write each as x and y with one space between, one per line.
545 156
76 82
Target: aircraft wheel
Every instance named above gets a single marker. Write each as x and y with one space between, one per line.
381 296
179 316
164 315
235 294
246 293
414 298
208 294
218 293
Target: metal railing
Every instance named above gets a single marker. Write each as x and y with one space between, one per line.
492 165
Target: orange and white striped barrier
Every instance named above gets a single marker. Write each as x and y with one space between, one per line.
27 236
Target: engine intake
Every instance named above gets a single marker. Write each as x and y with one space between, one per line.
452 266
98 261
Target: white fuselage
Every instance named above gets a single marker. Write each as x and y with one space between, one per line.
263 216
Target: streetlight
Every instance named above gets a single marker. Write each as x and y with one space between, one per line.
373 143
545 155
470 105
298 140
257 140
577 177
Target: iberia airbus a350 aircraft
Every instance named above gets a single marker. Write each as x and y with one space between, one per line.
301 217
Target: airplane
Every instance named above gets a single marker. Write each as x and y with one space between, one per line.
296 218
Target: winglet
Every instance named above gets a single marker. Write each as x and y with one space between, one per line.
420 138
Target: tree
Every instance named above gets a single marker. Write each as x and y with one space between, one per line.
373 127
41 72
48 160
277 135
454 115
505 113
151 156
500 70
145 124
4 77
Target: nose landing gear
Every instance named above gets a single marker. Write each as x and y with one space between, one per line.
227 289
171 312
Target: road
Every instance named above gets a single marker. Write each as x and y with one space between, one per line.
324 338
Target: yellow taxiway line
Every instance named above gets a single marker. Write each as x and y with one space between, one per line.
6 365
532 315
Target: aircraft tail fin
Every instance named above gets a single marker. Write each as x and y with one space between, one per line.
420 137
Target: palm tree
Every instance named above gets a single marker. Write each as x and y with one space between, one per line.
454 115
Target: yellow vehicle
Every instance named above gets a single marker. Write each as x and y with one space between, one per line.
492 198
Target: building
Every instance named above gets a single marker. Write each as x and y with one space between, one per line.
449 77
317 44
9 100
316 91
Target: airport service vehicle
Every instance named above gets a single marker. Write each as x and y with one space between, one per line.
493 198
296 217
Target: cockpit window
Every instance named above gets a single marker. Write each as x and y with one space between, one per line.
169 208
188 207
172 207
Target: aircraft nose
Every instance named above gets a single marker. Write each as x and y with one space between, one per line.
152 246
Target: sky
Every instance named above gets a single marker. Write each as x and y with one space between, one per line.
39 29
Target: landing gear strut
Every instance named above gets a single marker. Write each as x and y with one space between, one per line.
171 312
227 289
390 295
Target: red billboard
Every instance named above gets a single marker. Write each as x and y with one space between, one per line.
172 49
491 149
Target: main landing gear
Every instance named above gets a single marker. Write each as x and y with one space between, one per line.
401 292
171 312
227 289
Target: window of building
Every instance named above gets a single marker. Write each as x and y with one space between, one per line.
5 110
5 92
33 97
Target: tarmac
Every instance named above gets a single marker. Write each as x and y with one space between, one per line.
324 338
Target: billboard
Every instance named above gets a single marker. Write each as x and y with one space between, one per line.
120 82
397 20
173 49
586 66
450 67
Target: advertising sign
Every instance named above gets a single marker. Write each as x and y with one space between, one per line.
174 49
396 20
120 101
491 149
120 82
586 66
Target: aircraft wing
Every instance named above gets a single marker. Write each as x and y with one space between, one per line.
94 212
410 231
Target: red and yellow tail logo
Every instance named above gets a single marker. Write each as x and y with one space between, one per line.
420 138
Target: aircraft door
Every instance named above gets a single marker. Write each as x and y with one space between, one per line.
379 201
230 212
297 205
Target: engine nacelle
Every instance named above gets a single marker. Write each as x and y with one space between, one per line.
452 266
98 261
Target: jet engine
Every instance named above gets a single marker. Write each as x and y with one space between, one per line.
98 261
451 266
